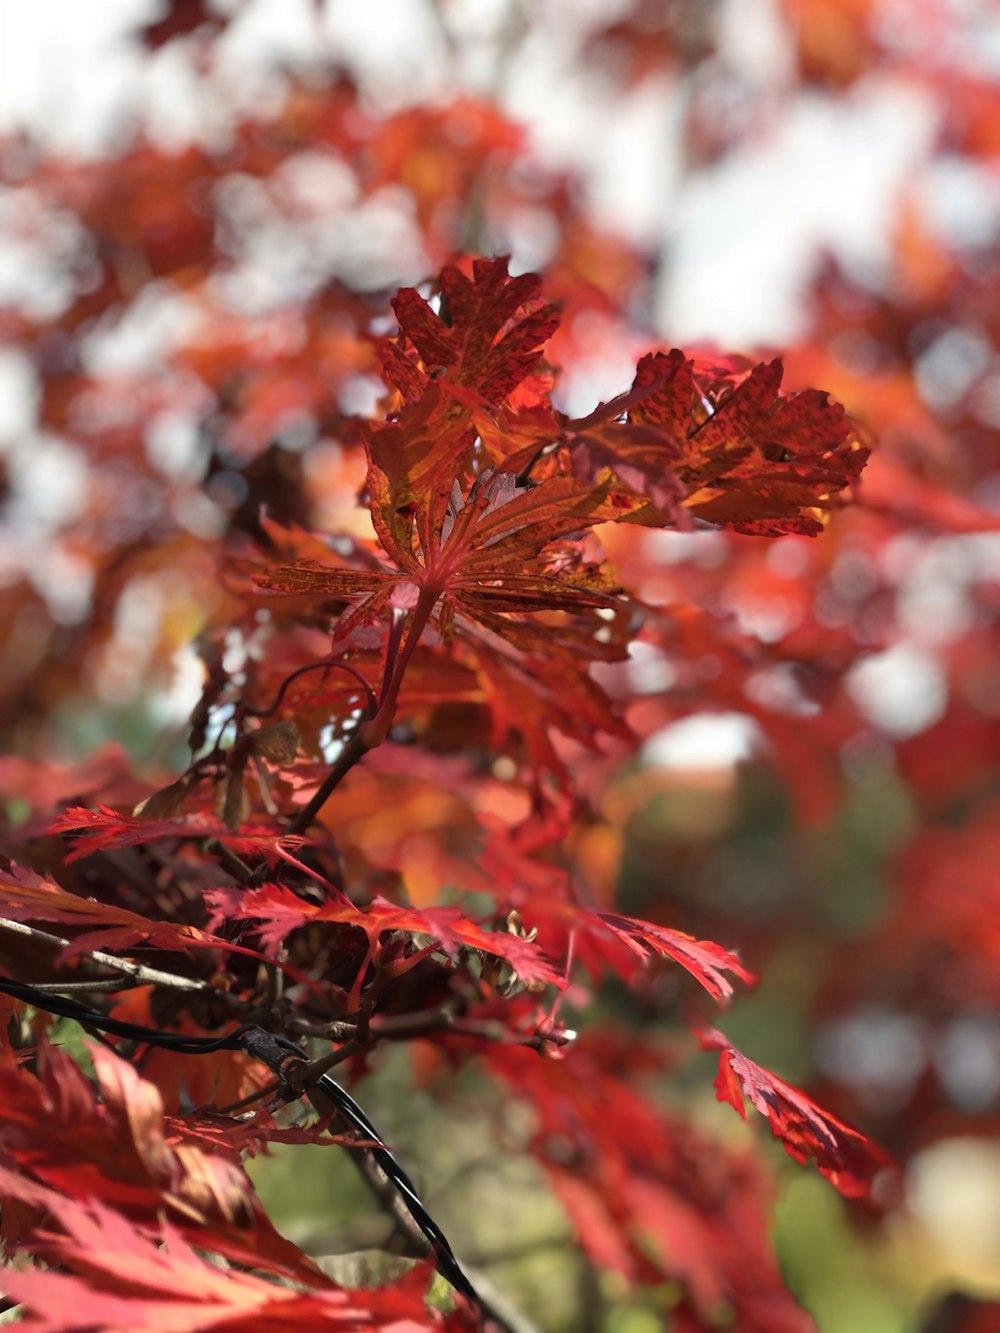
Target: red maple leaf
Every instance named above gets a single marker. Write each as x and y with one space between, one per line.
646 1197
848 1159
484 559
105 828
121 1276
181 18
454 371
706 961
717 443
487 573
486 336
472 536
279 911
120 1146
27 897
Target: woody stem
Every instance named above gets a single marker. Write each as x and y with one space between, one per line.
374 730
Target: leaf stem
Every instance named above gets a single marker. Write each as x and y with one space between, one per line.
373 730
326 665
377 728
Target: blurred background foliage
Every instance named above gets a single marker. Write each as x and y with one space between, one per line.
205 207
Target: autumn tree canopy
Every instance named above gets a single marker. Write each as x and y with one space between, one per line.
351 640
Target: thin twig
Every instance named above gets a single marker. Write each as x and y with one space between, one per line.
348 757
374 727
236 866
302 1075
93 987
422 1023
244 1102
139 972
275 986
405 1027
326 665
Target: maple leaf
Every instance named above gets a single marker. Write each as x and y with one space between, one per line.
483 558
487 335
124 1149
31 898
711 442
599 935
280 911
182 1081
707 962
645 1196
487 622
106 828
152 1280
848 1159
181 18
488 574
472 356
541 689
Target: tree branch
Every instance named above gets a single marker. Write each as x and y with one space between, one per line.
139 973
348 757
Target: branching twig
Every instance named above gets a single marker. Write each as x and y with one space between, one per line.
140 973
374 727
301 1076
327 665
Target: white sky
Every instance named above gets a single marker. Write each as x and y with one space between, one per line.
744 234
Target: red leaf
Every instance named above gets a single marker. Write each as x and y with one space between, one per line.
491 574
727 446
281 911
706 961
645 1195
484 342
29 898
123 1149
123 1277
842 1154
182 17
483 559
105 828
488 335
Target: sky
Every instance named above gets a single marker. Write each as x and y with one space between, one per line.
744 234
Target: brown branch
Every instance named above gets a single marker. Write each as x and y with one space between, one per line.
422 1023
306 1073
348 757
236 866
374 726
95 986
244 1102
139 973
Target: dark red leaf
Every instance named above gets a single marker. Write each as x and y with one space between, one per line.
280 911
707 962
489 332
721 445
849 1161
105 828
27 897
121 1276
